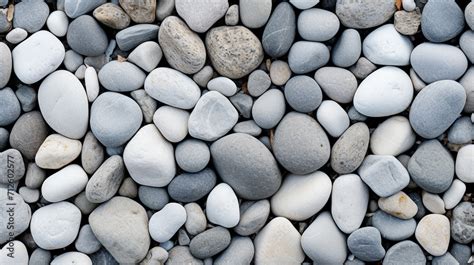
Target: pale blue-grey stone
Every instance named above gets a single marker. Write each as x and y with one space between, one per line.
307 56
366 244
27 97
10 108
303 94
405 252
153 197
434 18
461 131
466 42
280 31
121 76
86 37
30 15
75 8
190 187
446 259
317 24
393 228
347 50
133 36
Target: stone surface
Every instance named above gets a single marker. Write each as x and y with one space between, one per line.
28 133
406 251
181 255
172 123
192 155
57 151
255 13
166 222
393 228
307 56
280 72
86 37
22 214
407 23
121 76
153 198
6 61
392 137
64 184
106 180
222 206
72 257
317 24
196 219
398 205
454 194
332 117
27 97
364 14
253 216
92 154
337 83
75 8
14 253
140 12
303 94
86 241
190 187
240 251
232 15
269 108
347 49
465 163
10 108
112 16
30 15
146 55
58 23
12 166
366 244
349 150
462 229
466 42
133 36
200 16
433 202
434 17
433 233
210 242
223 85
146 103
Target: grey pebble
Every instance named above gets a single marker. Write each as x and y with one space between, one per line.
460 132
354 115
258 82
75 8
146 103
347 50
432 167
255 13
362 68
84 204
461 252
28 133
16 36
86 37
416 198
307 56
72 60
303 94
280 31
164 8
349 150
462 228
210 242
30 15
11 157
243 103
92 154
269 108
366 244
86 241
128 188
4 135
196 219
155 255
27 97
96 61
133 36
192 155
235 158
466 42
29 195
103 257
203 76
6 62
34 176
183 238
317 24
22 212
10 108
393 228
121 76
446 259
152 197
239 252
190 187
40 256
434 17
116 150
232 15
303 154
405 252
181 255
106 181
364 14
469 15
337 83
253 216
146 55
467 81
248 127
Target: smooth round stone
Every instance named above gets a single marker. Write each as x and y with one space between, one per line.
234 51
363 15
447 258
431 167
128 188
4 135
223 85
347 49
398 205
153 198
385 92
29 128
303 94
393 228
280 31
269 108
203 76
121 76
462 253
232 15
366 244
72 60
115 118
72 257
303 154
64 184
57 151
58 23
112 16
121 226
12 167
173 88
91 81
6 61
333 118
105 182
469 15
190 187
301 196
349 150
86 241
385 46
16 36
316 245
21 210
433 202
317 24
192 155
172 123
234 158
430 116
240 251
133 36
466 42
384 174
434 17
349 201
30 15
465 163
156 255
278 242
460 131
362 68
392 137
433 234
10 108
307 56
196 219
64 108
255 13
14 253
253 216
181 255
200 16
149 158
416 198
146 55
86 37
337 83
212 117
29 195
166 222
75 8
406 252
259 81
222 206
434 62
280 72
304 4
183 49
248 127
461 223
56 225
37 56
454 194
210 242
92 154
28 98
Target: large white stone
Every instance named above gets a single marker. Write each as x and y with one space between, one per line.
166 222
392 137
433 234
149 158
64 184
465 163
63 103
57 151
350 197
385 92
222 206
301 196
37 56
172 123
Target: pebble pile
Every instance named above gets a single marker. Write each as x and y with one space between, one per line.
233 132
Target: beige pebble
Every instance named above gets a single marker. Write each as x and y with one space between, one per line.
399 205
279 73
57 151
433 233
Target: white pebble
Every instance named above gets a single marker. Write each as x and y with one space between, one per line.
433 234
433 202
399 205
70 258
332 117
57 23
57 151
64 184
465 163
222 206
409 5
16 36
454 194
166 222
222 84
92 83
172 123
392 137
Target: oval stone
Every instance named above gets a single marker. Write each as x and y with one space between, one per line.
280 31
121 76
364 14
86 37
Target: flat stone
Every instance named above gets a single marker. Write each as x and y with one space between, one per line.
112 16
366 14
86 37
239 251
269 108
462 230
333 118
192 155
121 76
406 251
28 133
317 24
140 12
133 36
200 16
248 127
64 108
190 187
10 199
398 205
37 56
307 56
434 17
115 118
407 23
6 61
393 228
105 182
300 155
317 247
10 108
255 13
212 117
278 242
234 156
56 225
166 222
234 51
148 147
30 15
280 31
75 8
366 244
210 242
121 226
349 150
92 154
347 49
433 234
57 151
86 241
465 163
